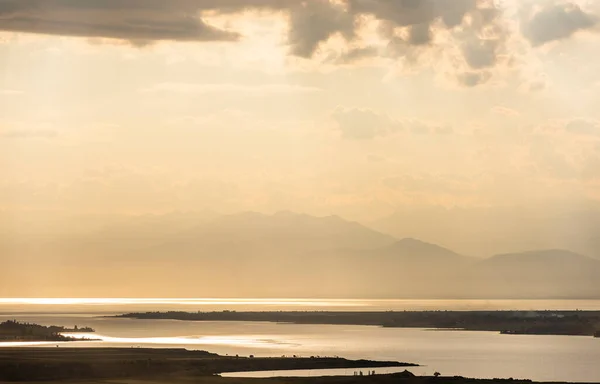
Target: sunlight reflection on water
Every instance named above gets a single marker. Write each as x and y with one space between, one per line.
255 341
466 353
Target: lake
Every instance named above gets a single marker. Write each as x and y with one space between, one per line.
465 353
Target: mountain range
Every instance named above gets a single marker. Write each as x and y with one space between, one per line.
488 231
281 255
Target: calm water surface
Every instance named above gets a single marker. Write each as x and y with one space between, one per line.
472 354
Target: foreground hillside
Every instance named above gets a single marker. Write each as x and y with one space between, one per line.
52 364
162 366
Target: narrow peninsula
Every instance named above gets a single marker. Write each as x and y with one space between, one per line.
60 364
571 323
15 331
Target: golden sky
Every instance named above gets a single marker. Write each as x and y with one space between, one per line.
352 107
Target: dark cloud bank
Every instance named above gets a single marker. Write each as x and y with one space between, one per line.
312 22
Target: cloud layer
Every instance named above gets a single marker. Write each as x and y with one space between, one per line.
139 21
29 134
311 22
364 124
556 22
201 89
471 34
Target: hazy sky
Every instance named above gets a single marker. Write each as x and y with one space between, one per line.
354 107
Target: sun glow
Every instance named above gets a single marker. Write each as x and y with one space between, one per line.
185 301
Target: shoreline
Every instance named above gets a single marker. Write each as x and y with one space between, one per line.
559 323
13 331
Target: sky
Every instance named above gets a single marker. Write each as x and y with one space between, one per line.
349 107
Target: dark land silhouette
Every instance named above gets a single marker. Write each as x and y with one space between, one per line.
13 330
173 366
51 364
575 323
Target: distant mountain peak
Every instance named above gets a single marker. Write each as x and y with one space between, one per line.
419 245
413 241
417 251
296 231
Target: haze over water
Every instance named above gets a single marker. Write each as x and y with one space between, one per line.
466 353
120 305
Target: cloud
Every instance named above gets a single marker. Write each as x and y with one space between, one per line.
139 21
480 53
29 134
583 127
470 36
262 89
315 21
505 111
409 13
551 160
411 29
311 21
364 124
438 27
535 86
367 124
443 130
473 79
419 34
354 55
145 21
376 158
426 183
10 92
419 128
556 22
